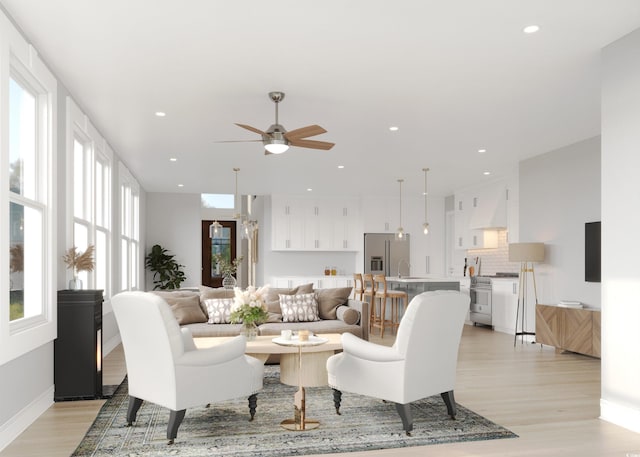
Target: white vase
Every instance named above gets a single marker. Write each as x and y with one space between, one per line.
228 282
75 283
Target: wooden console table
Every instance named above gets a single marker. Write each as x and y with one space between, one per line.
569 329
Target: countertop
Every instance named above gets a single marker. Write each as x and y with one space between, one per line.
420 279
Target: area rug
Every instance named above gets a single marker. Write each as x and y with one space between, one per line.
224 430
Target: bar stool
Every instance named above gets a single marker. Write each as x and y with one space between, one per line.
382 293
368 295
358 287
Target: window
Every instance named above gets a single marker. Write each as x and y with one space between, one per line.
27 228
90 190
218 201
130 265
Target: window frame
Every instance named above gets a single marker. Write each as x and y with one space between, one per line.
94 150
19 61
130 235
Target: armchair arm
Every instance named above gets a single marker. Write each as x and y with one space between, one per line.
366 350
217 354
187 340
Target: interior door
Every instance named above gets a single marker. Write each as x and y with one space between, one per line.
225 245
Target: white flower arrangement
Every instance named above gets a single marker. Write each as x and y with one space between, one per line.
249 306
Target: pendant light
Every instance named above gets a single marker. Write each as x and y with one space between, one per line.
249 227
400 235
215 230
425 225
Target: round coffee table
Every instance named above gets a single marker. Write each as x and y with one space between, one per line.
299 421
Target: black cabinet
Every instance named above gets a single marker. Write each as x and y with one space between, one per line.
78 348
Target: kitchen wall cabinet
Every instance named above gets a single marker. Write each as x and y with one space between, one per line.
505 305
302 224
465 236
488 206
287 224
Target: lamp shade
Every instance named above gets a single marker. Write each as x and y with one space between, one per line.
526 252
276 146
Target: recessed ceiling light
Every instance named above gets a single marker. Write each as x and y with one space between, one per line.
393 128
341 166
180 185
531 29
486 173
482 151
309 189
161 113
173 159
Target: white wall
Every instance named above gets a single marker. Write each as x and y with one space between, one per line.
559 192
620 401
173 221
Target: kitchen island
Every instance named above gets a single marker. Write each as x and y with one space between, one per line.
415 285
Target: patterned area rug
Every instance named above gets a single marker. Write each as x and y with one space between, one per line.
223 429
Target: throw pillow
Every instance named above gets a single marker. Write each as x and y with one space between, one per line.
348 315
273 301
299 308
219 310
186 309
330 299
207 292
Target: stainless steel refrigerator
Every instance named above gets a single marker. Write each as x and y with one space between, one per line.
383 254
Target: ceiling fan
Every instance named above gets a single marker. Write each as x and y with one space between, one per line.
277 140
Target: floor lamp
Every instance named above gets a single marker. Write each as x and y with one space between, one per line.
526 254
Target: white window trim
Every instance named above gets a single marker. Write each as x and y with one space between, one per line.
22 336
79 125
126 179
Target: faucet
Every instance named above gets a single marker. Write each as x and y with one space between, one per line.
408 264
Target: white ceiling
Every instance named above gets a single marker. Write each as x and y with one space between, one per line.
455 76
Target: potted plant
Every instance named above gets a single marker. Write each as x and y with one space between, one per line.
167 273
78 261
227 269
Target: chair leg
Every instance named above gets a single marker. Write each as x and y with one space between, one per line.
175 419
253 402
132 410
407 417
337 398
450 401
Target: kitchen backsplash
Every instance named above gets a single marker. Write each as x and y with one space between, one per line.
494 261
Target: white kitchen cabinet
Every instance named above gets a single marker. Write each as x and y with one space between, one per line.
287 224
505 305
488 206
465 236
303 224
346 236
318 226
513 209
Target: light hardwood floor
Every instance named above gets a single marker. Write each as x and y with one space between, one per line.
550 400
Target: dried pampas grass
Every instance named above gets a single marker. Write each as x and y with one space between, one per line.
79 261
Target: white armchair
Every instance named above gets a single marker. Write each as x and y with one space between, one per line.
164 366
422 361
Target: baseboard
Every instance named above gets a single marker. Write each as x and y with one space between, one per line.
111 344
11 429
621 415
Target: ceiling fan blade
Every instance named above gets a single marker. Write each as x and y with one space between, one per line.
311 144
252 129
239 141
305 132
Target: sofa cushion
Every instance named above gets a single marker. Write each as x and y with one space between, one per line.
348 315
186 309
219 310
273 295
330 299
317 327
209 330
299 307
207 292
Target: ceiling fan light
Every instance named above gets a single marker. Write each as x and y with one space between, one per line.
276 146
